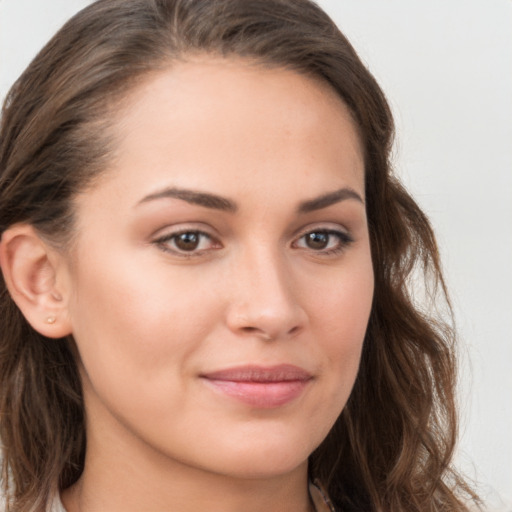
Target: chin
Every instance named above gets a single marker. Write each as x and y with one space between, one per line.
268 457
258 468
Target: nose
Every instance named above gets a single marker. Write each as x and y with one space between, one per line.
264 299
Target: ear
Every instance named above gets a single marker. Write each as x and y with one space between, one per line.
35 277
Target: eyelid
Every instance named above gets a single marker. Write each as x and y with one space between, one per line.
325 227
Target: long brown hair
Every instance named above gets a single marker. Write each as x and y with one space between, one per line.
391 447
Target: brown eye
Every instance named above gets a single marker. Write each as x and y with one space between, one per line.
187 241
324 242
317 240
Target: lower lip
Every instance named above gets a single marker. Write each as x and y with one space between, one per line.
261 395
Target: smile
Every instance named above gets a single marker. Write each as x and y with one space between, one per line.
261 387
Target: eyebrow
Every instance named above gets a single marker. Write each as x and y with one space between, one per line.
329 199
194 197
216 202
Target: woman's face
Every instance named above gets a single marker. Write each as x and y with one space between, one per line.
221 281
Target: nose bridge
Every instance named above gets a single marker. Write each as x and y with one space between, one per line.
264 300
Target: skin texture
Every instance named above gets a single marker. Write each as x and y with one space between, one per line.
150 320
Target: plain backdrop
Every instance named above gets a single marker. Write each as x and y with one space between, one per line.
446 67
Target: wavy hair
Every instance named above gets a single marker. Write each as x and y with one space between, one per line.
391 447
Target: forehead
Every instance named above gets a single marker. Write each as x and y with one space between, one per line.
211 119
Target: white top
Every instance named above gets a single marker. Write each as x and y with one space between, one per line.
318 495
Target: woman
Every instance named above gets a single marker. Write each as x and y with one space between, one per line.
205 264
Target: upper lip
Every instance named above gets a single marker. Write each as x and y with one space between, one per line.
256 373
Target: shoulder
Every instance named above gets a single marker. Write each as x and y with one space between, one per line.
320 497
2 501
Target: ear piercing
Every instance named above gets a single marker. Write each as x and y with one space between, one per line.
51 320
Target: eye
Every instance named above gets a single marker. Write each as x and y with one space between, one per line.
187 243
324 241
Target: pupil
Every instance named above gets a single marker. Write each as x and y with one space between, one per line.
317 240
187 241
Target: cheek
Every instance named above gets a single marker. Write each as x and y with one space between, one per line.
342 310
135 321
342 303
138 338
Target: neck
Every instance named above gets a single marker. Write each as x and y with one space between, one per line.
123 474
98 491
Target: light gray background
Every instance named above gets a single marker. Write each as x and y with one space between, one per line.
446 66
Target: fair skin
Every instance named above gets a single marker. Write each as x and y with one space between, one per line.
229 231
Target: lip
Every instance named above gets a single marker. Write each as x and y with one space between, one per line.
262 387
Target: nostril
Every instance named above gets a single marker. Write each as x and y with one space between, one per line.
250 329
266 320
262 333
294 330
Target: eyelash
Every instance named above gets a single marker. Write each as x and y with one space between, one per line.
171 238
344 240
163 242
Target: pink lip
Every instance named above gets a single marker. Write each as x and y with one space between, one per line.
261 387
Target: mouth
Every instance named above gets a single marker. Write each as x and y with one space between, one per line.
262 387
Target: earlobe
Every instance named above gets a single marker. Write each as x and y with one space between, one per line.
30 269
